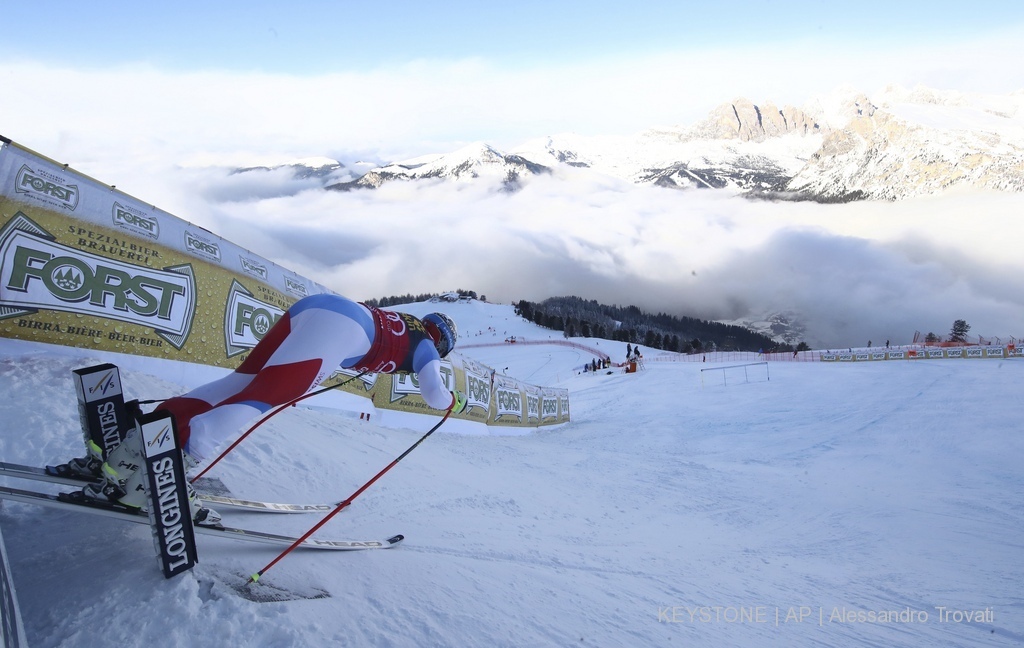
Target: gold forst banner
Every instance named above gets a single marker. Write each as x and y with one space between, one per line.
928 353
494 400
85 265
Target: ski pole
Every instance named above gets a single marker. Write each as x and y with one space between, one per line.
341 505
267 417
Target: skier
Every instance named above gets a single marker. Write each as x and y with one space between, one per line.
317 335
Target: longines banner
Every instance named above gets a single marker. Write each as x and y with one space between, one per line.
85 265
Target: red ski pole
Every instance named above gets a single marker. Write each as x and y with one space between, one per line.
268 417
341 505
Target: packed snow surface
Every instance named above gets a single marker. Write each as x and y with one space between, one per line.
796 504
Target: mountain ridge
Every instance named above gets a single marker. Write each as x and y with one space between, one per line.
842 147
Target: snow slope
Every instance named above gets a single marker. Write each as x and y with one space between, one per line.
828 490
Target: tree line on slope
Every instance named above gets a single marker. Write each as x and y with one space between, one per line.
396 300
578 317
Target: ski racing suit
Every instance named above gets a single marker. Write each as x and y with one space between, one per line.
306 345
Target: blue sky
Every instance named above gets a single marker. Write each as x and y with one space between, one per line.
311 37
202 81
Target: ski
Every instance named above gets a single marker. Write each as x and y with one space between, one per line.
41 474
49 475
74 502
220 501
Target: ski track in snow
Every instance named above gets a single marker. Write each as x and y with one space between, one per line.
870 486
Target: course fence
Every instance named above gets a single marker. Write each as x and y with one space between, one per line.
913 352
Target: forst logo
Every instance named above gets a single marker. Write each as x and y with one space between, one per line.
295 287
37 273
253 267
127 218
509 401
72 280
36 183
201 247
248 320
549 407
478 390
67 278
257 320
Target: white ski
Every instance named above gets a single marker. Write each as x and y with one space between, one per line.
219 501
247 535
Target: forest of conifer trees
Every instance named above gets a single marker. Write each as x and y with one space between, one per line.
577 317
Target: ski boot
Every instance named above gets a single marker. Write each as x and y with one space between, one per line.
122 483
87 468
83 468
201 515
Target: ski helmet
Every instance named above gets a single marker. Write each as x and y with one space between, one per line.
442 330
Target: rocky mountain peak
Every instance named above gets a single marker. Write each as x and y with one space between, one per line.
745 121
917 142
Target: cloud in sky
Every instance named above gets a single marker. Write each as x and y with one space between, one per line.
855 272
95 115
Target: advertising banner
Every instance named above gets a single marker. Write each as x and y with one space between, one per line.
509 402
925 354
532 404
82 264
166 490
549 404
475 380
101 407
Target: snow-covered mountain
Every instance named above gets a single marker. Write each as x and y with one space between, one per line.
846 146
919 142
785 327
469 163
263 179
302 169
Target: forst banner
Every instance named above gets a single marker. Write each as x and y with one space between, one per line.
84 265
493 399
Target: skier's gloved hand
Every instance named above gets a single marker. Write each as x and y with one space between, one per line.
458 402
